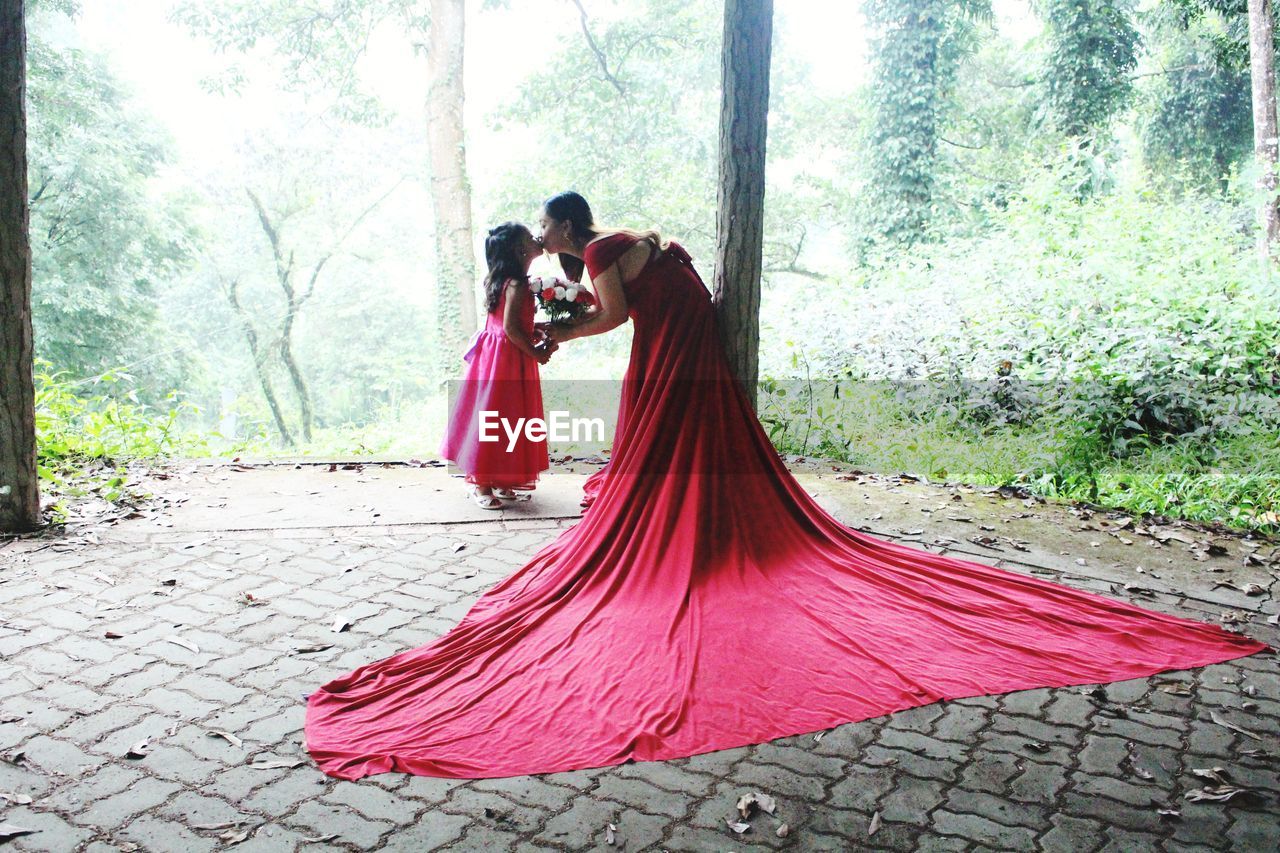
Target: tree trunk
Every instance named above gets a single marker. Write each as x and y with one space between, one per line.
19 494
450 190
1262 62
744 110
259 362
293 304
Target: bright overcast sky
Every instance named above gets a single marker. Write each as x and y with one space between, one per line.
163 65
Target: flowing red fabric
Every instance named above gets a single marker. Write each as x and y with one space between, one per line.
705 601
499 378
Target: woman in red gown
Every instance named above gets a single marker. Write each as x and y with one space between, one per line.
706 601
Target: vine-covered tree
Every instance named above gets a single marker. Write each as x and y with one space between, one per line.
908 96
1093 49
1196 123
917 47
1242 36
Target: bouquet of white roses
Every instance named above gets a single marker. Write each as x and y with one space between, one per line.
561 300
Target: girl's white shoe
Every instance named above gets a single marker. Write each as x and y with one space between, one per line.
484 501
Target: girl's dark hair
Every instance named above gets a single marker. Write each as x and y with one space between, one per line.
503 260
570 207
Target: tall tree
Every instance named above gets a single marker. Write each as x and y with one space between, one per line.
1093 48
907 95
744 111
450 189
1262 62
321 43
19 494
1199 123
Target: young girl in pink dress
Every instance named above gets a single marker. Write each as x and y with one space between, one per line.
501 378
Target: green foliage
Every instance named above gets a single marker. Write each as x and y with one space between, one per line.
918 47
1224 24
643 115
1197 121
1076 348
1093 50
104 243
85 440
908 97
318 43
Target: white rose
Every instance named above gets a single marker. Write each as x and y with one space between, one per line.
559 292
571 293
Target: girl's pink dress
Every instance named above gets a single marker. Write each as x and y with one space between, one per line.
499 378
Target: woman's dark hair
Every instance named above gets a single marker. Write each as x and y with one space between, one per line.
505 263
570 207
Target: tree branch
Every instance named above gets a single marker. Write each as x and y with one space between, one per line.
315 272
600 57
942 138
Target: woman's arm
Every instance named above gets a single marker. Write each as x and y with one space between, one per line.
611 313
512 312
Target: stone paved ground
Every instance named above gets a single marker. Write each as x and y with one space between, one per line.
1038 770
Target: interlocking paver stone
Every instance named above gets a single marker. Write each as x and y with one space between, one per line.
1045 769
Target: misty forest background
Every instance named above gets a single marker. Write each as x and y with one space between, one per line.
1008 244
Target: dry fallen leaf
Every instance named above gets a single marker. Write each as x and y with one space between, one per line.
610 834
276 764
458 546
1131 760
233 837
1224 723
1177 688
179 641
16 799
1037 746
227 736
1169 814
748 802
320 839
139 749
783 830
875 825
737 826
1219 794
11 830
1213 774
310 650
339 625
